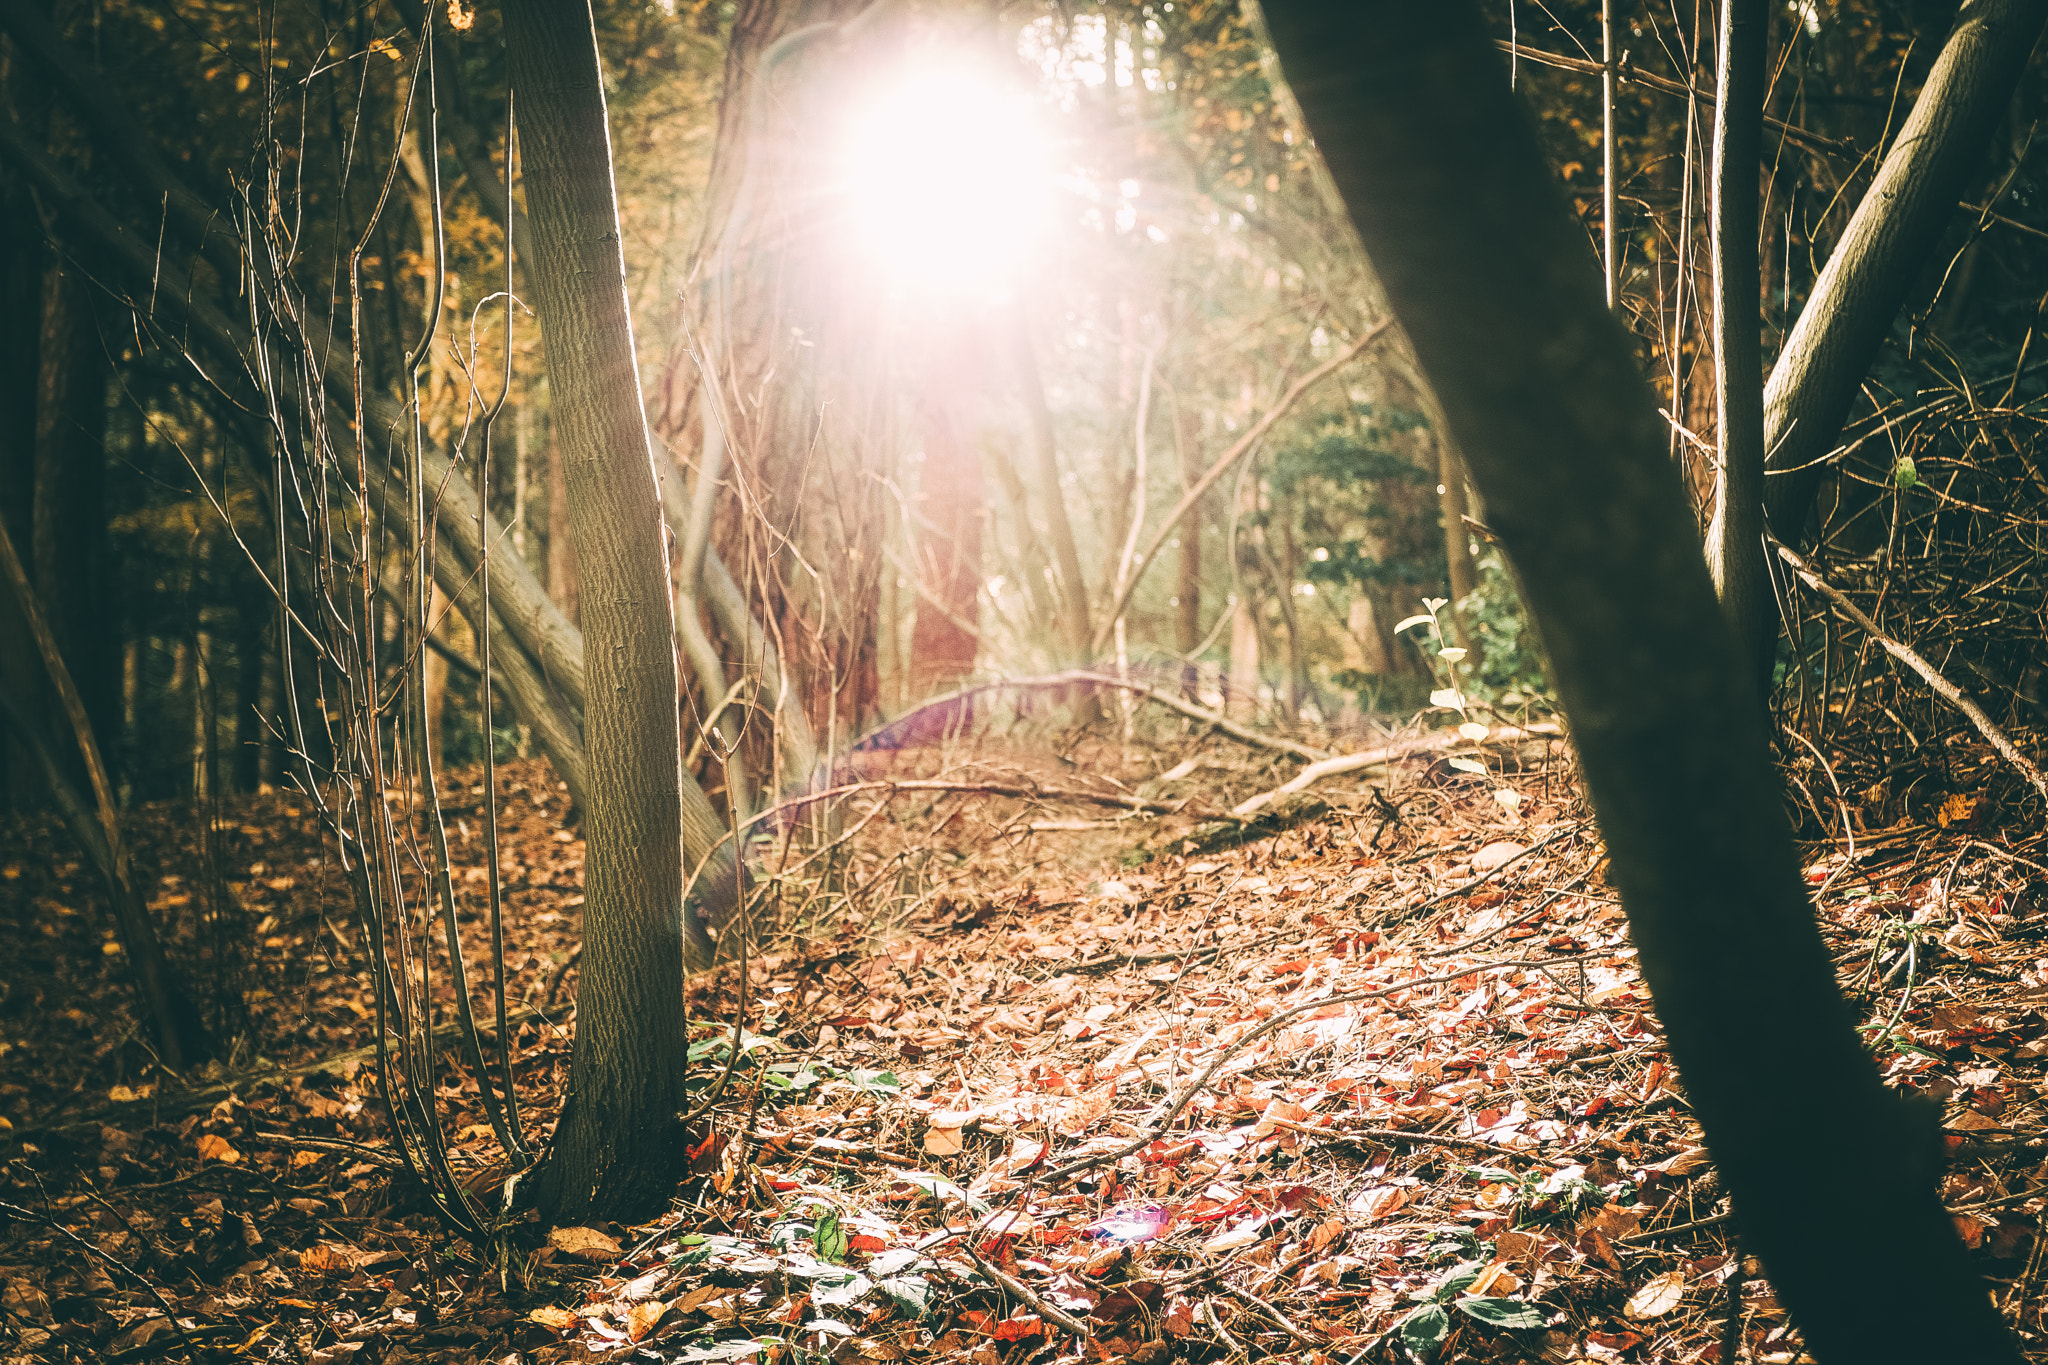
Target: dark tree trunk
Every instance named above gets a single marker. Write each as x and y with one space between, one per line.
1487 270
618 1149
70 536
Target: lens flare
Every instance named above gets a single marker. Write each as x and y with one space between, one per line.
946 181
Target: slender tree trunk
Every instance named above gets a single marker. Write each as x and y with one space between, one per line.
1187 611
1486 267
1241 694
946 636
70 537
563 586
1457 544
1849 311
436 679
1072 588
1736 532
618 1149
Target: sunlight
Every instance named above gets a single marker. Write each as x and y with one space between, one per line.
946 180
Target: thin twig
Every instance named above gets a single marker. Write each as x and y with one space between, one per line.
1268 1311
1022 1292
1905 654
191 1347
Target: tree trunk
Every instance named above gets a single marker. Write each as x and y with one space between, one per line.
1457 544
1849 312
618 1150
1187 609
946 635
70 552
1241 692
1071 593
1736 532
563 588
1487 269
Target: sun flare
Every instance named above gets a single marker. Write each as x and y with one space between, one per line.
946 181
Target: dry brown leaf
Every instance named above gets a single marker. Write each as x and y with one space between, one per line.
213 1147
1379 1201
585 1244
554 1319
329 1258
943 1141
642 1316
1656 1298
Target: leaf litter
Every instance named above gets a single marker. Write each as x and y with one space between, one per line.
1383 1085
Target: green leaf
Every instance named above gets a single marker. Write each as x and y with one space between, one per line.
829 1238
880 1082
1424 1330
1501 1312
911 1293
840 1295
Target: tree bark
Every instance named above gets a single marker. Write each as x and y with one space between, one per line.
1187 608
562 585
1735 535
1895 227
1071 592
617 1149
946 636
1464 576
1486 267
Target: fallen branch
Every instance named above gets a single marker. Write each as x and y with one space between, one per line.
1384 1135
885 736
1272 1314
1214 719
1387 753
1024 1294
1908 656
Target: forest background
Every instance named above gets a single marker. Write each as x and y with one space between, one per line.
949 446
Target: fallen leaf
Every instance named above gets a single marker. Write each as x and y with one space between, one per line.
642 1316
554 1319
1656 1298
213 1147
1496 855
943 1141
585 1244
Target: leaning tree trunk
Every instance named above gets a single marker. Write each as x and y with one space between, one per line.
1487 269
618 1149
1896 225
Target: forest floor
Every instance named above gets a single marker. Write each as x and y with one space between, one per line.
1017 1085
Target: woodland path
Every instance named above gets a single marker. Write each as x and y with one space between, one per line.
1372 1083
